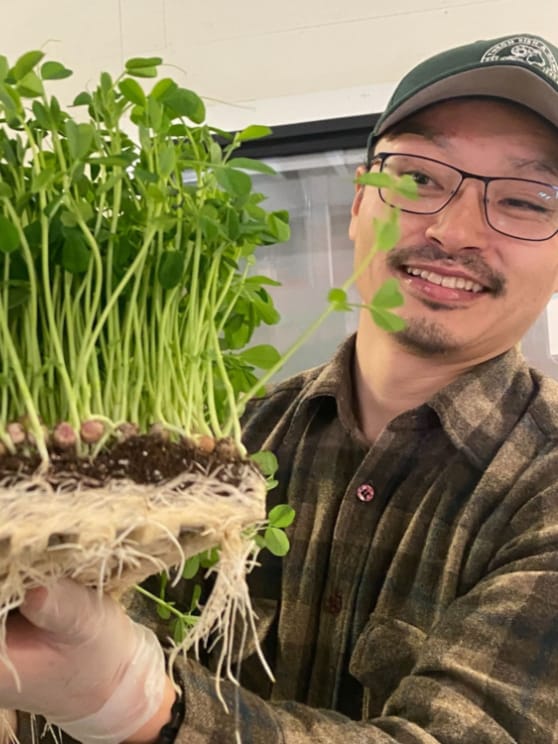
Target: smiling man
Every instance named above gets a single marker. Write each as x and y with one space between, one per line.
419 601
478 255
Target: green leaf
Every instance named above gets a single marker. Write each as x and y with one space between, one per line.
254 131
11 101
215 153
68 219
184 102
145 175
164 612
80 139
55 71
407 186
209 557
196 596
30 86
259 540
156 194
281 516
6 191
42 180
41 115
259 280
143 72
83 99
252 165
171 269
388 296
338 297
164 222
191 567
9 236
234 182
266 461
167 159
75 253
18 296
178 630
276 541
25 64
161 87
155 113
387 233
378 180
84 210
278 228
135 63
387 320
4 68
123 160
132 91
263 356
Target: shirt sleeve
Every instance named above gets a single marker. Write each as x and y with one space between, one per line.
487 672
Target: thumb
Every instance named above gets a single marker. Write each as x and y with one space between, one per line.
58 609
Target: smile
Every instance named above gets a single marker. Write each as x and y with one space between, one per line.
449 282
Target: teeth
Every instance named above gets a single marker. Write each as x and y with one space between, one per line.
451 282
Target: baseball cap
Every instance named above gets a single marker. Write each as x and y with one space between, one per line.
522 68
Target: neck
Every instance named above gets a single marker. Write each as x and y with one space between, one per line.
390 380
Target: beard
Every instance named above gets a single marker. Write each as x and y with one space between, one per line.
426 338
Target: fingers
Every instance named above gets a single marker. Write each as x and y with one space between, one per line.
64 608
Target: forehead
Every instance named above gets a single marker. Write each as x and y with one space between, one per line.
469 109
486 123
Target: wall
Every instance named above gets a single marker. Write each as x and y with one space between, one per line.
259 61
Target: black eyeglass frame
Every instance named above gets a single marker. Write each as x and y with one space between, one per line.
381 157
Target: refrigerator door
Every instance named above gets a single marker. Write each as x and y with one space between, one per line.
317 191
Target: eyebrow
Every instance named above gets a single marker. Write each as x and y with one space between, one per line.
547 167
411 126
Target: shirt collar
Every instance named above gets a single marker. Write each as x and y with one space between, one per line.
477 410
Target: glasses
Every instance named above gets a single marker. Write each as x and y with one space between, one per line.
516 207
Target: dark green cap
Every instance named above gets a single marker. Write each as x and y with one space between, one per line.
522 68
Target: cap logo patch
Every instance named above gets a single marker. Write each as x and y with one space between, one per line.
526 50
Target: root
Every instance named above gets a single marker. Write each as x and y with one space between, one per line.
117 535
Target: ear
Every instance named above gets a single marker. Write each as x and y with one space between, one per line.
359 191
357 201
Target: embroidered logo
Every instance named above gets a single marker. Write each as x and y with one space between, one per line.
527 50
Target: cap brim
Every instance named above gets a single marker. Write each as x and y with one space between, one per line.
511 83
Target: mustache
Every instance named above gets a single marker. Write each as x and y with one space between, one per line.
473 263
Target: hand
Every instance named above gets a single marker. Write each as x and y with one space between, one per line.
76 658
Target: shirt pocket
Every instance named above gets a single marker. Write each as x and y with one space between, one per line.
385 652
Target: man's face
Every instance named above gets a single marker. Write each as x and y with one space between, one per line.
487 138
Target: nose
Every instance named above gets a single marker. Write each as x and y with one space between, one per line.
461 224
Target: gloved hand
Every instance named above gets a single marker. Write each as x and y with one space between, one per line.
81 662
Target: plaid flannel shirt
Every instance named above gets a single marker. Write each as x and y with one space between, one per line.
419 601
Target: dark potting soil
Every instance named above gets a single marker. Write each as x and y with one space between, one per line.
148 459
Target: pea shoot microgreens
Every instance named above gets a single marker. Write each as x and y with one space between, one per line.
127 290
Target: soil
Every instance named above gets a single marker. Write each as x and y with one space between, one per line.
148 459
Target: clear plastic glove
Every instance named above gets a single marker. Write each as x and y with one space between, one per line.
81 662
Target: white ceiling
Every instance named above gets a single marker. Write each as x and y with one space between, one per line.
288 52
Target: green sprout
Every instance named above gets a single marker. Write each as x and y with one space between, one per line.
126 293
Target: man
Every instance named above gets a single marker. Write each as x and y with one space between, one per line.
419 601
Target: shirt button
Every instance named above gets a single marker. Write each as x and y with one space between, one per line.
365 492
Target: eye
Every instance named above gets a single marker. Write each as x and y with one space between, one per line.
525 205
420 177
